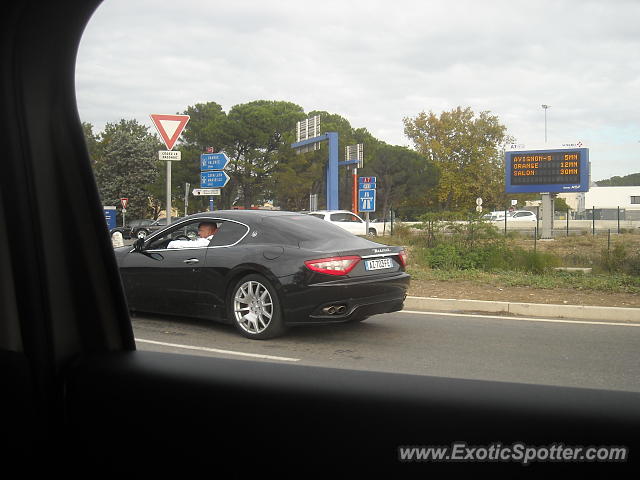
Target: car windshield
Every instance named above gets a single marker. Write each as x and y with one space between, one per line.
434 116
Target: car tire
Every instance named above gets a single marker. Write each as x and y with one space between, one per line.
372 232
141 234
254 308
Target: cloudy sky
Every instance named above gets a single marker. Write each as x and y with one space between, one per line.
376 62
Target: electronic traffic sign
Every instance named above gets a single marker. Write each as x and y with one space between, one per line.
548 171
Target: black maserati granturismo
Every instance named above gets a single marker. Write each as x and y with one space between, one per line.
263 271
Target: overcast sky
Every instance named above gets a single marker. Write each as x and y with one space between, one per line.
376 62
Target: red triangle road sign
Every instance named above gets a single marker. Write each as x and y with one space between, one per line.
169 127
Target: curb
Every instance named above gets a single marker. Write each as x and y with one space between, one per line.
581 312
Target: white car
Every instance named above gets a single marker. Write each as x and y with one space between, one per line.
497 216
348 221
522 216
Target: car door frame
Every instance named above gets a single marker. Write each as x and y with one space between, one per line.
78 396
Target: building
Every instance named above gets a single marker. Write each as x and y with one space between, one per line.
605 202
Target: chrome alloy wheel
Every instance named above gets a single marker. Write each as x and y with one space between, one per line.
253 307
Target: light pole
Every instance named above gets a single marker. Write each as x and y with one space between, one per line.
545 121
547 198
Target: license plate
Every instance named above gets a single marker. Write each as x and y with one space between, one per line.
378 264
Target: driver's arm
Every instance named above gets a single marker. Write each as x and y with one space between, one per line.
198 242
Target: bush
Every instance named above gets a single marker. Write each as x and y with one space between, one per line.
491 256
620 260
535 262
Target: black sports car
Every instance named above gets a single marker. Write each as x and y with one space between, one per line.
263 271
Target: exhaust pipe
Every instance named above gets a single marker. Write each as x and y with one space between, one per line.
334 309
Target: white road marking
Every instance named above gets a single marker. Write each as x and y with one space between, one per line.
215 350
523 319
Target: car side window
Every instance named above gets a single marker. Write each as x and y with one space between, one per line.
229 233
185 231
340 217
352 218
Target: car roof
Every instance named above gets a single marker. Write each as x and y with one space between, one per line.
234 214
331 211
246 216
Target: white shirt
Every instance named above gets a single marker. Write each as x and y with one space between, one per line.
198 242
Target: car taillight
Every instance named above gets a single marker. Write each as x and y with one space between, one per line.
404 258
333 265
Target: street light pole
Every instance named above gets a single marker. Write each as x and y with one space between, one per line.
545 121
547 198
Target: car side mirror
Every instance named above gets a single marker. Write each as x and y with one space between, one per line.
138 245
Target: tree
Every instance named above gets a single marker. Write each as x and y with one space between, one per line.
255 132
633 179
402 176
93 142
295 178
467 150
127 165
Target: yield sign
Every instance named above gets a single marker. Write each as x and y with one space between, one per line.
169 127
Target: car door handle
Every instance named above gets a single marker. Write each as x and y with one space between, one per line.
191 261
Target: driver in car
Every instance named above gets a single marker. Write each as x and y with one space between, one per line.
206 231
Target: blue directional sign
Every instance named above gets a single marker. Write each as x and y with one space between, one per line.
213 179
213 161
367 200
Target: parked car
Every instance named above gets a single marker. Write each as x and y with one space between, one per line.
522 216
139 228
154 226
264 271
348 221
124 230
495 216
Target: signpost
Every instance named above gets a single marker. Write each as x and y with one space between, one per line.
367 197
213 161
367 201
169 155
110 216
125 203
309 138
169 127
212 176
548 172
354 154
206 191
213 179
186 198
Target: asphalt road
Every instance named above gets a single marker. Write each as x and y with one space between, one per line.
549 352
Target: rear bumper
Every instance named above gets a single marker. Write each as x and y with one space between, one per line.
353 298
